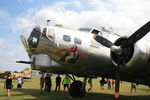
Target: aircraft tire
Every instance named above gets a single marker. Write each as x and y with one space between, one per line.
75 89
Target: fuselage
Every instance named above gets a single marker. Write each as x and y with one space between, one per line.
91 59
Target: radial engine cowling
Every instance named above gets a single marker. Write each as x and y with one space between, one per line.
41 61
134 57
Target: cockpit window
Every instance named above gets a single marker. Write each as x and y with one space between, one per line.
66 38
77 41
44 31
36 32
51 34
96 31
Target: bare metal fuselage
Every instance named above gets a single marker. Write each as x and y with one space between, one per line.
96 60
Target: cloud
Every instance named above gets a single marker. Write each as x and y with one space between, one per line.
20 24
10 53
118 14
137 10
124 16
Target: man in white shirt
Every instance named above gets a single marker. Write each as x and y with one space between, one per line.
19 85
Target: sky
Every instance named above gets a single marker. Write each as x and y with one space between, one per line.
124 16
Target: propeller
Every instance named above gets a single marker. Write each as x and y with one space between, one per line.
140 33
120 50
103 41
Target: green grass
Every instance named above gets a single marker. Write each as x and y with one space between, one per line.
31 91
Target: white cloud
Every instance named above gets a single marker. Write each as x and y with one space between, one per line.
101 5
10 53
137 10
20 24
124 16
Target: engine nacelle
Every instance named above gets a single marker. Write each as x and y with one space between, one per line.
135 56
139 58
41 61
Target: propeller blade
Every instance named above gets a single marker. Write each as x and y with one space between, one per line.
141 32
117 85
103 41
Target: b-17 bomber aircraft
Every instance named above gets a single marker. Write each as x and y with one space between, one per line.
89 54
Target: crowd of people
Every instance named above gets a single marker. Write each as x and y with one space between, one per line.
46 84
111 84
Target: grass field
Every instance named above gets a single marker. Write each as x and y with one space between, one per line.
31 91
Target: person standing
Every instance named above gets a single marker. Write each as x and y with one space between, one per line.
133 86
42 83
66 82
109 84
20 81
8 85
48 83
58 81
102 82
90 83
113 82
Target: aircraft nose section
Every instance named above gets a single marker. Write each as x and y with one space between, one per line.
30 37
33 39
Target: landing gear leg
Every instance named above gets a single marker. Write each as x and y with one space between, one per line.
84 84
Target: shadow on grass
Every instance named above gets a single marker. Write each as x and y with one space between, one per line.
65 96
147 90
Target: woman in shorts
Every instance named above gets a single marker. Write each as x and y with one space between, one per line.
8 85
